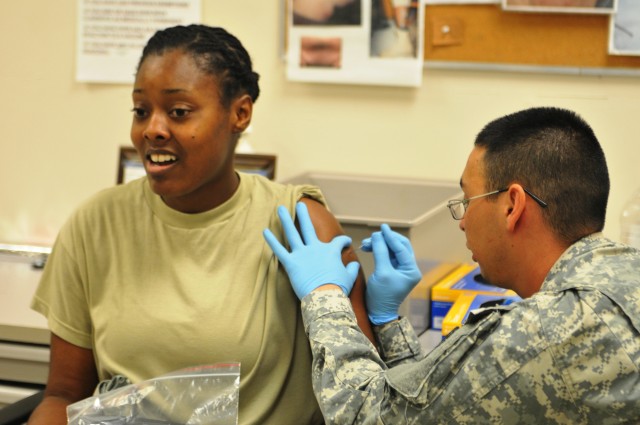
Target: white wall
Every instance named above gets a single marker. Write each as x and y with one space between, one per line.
60 138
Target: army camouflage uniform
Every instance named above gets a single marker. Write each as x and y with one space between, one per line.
569 354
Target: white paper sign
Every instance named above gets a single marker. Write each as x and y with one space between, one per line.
112 33
624 31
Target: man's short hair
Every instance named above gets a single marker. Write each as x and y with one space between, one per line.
553 153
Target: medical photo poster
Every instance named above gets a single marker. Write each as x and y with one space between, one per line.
377 42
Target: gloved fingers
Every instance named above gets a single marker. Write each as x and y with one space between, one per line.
277 248
341 242
352 272
399 245
389 233
380 251
306 225
290 231
365 245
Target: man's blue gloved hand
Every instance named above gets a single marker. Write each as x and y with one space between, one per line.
395 274
311 263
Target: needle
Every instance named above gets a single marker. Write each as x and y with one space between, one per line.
365 246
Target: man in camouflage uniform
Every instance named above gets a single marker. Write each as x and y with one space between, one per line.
536 186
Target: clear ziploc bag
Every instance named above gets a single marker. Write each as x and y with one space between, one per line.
199 395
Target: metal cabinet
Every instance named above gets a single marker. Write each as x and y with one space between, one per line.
24 337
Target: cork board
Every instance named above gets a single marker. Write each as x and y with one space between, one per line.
487 34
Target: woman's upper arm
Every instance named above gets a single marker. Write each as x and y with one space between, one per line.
72 377
327 227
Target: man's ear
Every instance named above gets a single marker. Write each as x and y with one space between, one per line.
516 202
241 110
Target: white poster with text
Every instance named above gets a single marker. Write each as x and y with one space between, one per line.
112 33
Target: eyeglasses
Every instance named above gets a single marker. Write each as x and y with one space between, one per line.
459 206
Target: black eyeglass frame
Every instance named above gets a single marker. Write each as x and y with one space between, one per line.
465 202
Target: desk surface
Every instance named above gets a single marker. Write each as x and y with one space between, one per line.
18 282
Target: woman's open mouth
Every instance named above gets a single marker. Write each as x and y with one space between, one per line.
161 158
159 162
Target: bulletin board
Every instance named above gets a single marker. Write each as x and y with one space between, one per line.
486 34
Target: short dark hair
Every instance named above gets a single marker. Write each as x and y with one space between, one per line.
555 154
216 52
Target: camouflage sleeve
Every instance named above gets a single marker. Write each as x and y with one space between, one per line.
353 384
398 342
347 371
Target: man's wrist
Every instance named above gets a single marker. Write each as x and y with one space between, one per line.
318 304
328 286
379 320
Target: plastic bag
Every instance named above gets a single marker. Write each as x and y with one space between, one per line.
199 395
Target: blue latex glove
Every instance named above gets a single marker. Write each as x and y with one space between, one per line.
311 263
395 274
